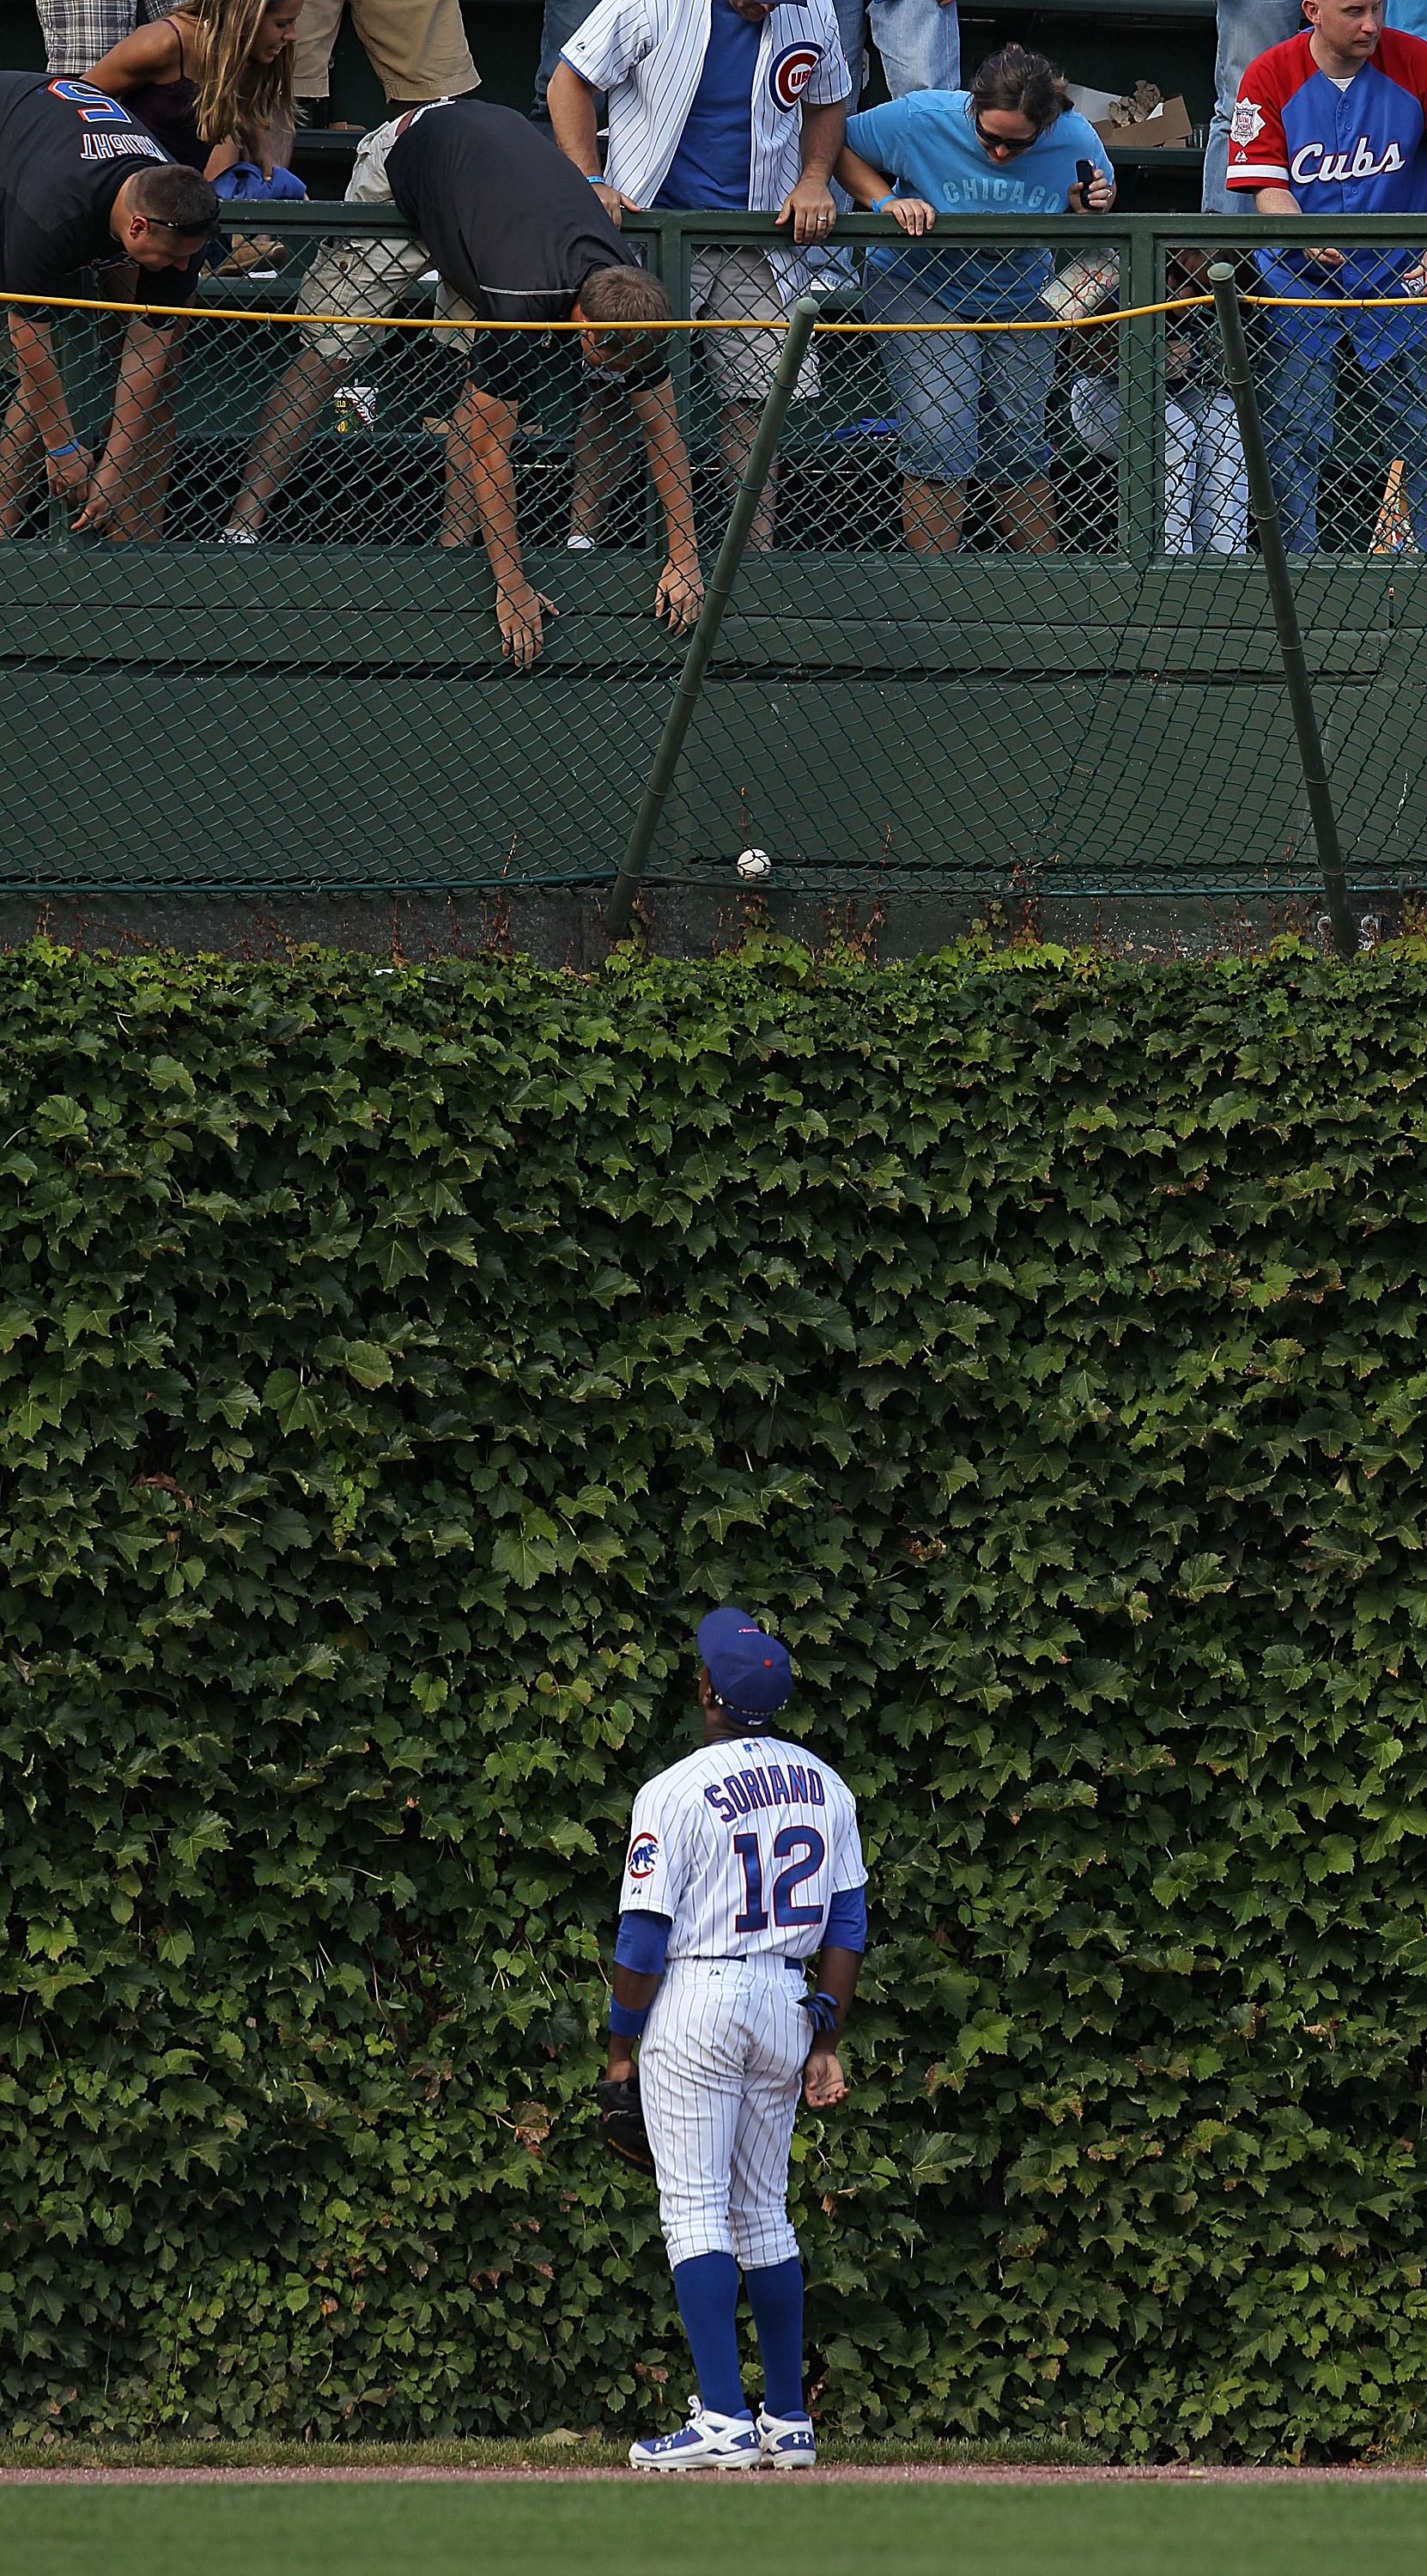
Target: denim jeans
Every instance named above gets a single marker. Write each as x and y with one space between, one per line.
1297 398
968 402
919 42
562 17
1247 28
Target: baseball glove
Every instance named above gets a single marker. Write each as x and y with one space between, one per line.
622 2121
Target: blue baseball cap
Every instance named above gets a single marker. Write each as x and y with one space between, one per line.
749 1669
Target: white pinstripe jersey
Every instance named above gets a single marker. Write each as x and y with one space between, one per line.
743 1844
649 54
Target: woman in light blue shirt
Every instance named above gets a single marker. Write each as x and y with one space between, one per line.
972 402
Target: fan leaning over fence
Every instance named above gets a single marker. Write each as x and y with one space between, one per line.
83 183
742 104
969 404
516 237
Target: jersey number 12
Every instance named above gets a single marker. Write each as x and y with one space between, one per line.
800 1845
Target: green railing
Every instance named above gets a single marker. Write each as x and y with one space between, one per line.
329 711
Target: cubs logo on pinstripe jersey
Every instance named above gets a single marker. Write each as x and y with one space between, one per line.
649 54
743 1845
791 73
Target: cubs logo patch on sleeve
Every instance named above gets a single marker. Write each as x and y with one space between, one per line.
790 73
1246 123
643 1853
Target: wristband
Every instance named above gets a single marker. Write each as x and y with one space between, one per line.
624 2022
879 202
71 448
824 2009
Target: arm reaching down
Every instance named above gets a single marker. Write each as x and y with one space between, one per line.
480 492
680 593
41 408
141 412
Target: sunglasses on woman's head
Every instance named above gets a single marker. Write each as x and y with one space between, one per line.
1005 142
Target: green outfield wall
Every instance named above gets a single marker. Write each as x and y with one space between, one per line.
396 1364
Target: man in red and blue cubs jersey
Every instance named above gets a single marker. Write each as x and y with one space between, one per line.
1335 122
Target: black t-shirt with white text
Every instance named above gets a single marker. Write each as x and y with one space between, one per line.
512 226
65 153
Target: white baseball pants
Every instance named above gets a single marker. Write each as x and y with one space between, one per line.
720 2071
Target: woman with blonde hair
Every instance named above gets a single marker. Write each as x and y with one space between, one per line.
213 83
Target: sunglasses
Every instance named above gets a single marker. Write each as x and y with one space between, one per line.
1005 142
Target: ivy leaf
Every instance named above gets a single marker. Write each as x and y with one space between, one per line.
368 1364
935 2155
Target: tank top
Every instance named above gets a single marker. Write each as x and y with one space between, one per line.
169 110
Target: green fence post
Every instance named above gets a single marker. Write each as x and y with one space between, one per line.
701 642
1285 606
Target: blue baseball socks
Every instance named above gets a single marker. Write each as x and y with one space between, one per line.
776 2297
707 2291
706 2288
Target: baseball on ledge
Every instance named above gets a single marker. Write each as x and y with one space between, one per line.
754 863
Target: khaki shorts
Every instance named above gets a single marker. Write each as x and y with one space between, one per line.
736 283
417 48
371 276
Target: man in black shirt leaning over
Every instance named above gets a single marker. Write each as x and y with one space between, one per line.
516 234
81 183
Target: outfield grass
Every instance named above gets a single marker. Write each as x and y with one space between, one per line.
562 2449
701 2528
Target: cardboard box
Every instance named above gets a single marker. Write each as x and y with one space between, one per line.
1170 124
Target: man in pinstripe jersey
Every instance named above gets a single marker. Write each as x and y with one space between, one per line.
718 103
744 1864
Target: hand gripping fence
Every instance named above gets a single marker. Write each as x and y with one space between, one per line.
1007 597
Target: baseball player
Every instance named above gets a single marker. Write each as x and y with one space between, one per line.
744 1864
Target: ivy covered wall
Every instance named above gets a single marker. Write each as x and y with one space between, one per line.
395 1366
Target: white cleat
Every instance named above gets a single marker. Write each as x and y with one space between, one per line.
705 2442
786 2441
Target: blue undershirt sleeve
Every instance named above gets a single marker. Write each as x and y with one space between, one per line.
644 1938
846 1925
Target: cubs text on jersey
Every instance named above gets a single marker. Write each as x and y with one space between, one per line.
1355 150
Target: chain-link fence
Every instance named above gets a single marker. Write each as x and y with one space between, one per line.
1001 623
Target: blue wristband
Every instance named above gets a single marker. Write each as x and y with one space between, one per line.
70 449
625 2023
824 2009
879 202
